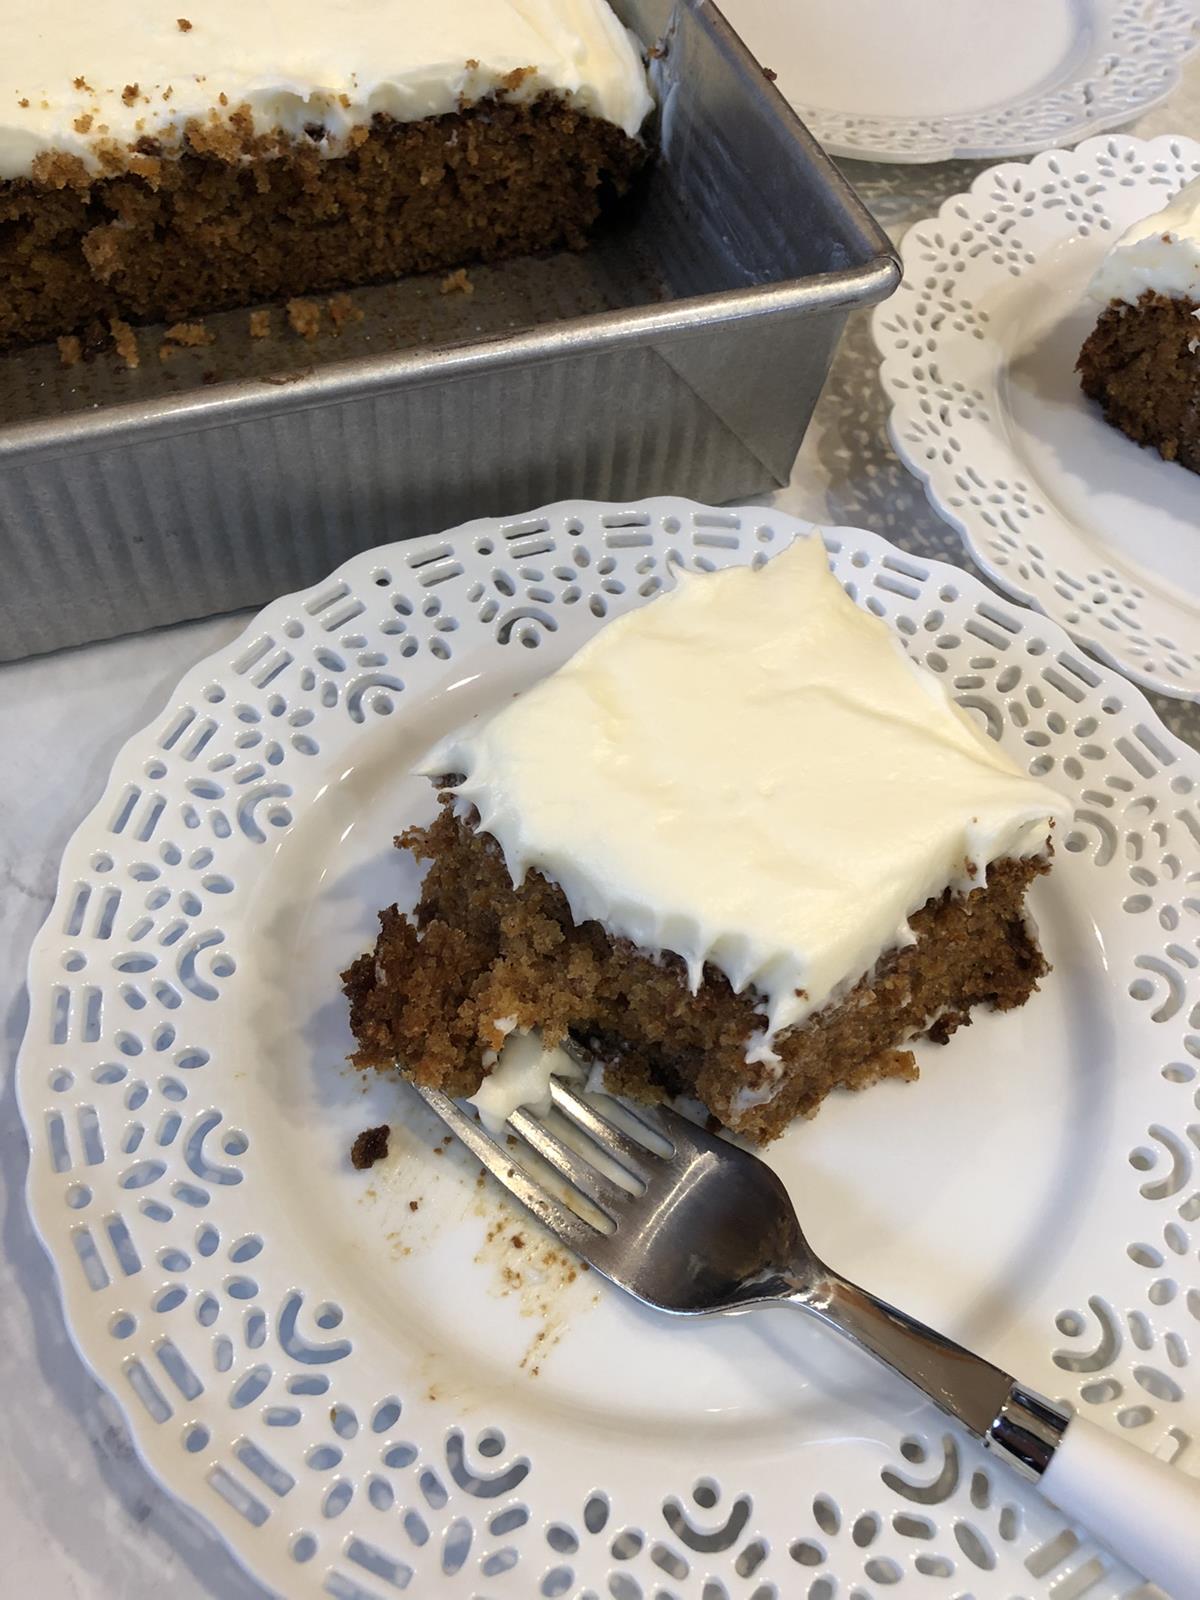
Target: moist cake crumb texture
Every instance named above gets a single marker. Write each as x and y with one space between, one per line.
1142 365
219 227
1141 362
479 949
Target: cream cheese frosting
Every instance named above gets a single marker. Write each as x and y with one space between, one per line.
74 75
520 1076
1160 253
749 772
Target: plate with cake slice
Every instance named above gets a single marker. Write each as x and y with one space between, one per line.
822 841
1043 367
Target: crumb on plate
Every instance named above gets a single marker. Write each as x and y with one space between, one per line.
370 1146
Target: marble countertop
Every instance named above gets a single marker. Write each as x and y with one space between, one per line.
81 1519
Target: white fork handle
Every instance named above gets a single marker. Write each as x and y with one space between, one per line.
1146 1513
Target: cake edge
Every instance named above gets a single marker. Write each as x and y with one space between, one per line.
854 1040
1122 365
273 217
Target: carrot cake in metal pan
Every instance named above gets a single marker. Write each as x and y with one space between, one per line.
160 160
740 847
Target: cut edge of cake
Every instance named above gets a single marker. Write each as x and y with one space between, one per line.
1141 361
483 960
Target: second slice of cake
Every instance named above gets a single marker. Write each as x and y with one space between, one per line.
740 847
1141 362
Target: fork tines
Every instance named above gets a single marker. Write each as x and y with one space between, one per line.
593 1195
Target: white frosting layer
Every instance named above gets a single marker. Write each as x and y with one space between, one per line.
520 1077
1161 252
336 63
750 772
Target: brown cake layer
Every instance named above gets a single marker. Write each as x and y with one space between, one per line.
232 218
1141 364
428 996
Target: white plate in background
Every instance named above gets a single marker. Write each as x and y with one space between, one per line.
979 346
914 80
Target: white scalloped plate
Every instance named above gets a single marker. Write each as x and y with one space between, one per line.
361 1379
979 346
910 81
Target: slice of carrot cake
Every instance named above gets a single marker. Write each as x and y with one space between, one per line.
159 165
739 847
1141 362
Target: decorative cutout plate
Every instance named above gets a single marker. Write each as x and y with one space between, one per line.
904 81
979 347
386 1380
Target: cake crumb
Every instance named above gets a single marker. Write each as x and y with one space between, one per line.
189 334
902 1063
129 93
70 350
343 310
370 1146
183 25
83 85
260 324
304 317
186 336
24 104
83 122
126 342
414 1205
457 282
770 74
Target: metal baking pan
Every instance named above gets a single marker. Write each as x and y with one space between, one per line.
684 352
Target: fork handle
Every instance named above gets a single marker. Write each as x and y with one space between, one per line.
1142 1510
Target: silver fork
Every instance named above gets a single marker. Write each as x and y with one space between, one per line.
695 1225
